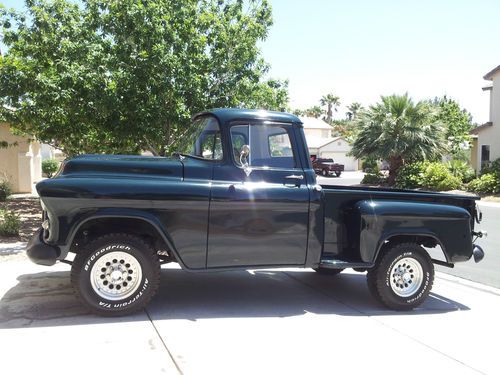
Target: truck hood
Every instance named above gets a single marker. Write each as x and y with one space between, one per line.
121 166
87 172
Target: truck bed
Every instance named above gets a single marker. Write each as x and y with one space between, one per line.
340 235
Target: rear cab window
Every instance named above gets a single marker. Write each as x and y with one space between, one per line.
270 145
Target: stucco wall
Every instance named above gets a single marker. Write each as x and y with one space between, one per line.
491 135
20 164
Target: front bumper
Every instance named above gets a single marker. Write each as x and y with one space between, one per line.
41 253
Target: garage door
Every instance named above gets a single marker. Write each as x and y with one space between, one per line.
349 162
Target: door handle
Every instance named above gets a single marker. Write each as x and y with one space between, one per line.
295 177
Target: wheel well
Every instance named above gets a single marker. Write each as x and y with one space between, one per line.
100 226
427 241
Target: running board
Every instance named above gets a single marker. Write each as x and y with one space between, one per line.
340 264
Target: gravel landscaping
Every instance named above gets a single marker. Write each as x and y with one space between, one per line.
30 213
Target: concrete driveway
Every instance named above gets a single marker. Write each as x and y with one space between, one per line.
249 322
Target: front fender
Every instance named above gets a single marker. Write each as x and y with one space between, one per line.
121 213
380 220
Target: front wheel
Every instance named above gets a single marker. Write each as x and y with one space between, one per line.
324 173
116 274
403 277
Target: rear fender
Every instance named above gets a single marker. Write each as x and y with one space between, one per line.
380 221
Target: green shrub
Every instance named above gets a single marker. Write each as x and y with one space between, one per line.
492 168
5 190
49 167
427 175
438 177
9 223
488 183
373 179
370 166
462 170
411 176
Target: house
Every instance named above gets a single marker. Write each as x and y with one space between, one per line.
20 160
486 137
322 144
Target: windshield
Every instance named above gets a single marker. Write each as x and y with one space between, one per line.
204 141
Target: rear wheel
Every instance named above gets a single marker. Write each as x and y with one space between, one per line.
402 278
116 274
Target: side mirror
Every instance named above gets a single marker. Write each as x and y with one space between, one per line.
244 155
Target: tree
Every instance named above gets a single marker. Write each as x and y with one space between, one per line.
457 124
354 108
315 111
399 131
126 75
331 102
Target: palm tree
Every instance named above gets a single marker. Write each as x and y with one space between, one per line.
397 130
314 111
332 102
354 109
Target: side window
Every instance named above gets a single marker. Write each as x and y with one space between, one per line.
270 145
207 139
211 146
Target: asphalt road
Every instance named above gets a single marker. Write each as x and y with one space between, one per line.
346 178
488 270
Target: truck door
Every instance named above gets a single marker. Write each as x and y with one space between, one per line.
259 203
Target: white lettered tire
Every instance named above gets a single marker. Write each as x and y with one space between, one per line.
403 277
116 274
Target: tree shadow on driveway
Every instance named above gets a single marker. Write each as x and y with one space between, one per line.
46 299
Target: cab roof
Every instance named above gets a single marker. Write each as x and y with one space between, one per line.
226 115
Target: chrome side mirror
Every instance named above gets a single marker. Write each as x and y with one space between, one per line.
244 156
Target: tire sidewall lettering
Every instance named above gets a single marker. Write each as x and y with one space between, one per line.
117 305
108 304
101 251
423 288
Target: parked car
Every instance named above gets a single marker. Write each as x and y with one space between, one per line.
327 167
240 194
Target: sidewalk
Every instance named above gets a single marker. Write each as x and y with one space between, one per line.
291 321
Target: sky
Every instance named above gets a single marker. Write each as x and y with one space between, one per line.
362 49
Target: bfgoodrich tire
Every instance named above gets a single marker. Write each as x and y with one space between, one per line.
402 279
116 274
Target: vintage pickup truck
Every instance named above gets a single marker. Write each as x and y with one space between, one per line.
241 194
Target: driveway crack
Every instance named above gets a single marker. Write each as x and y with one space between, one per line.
163 342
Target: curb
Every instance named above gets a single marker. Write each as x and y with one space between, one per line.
468 283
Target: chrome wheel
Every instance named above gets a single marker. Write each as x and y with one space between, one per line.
406 277
116 275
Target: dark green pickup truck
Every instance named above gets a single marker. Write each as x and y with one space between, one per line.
242 194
